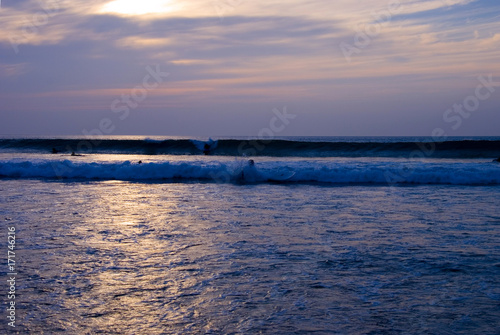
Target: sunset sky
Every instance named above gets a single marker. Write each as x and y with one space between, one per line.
341 67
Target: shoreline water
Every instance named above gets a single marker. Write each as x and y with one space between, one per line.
186 258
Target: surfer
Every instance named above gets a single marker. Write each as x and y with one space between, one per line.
54 151
73 154
206 149
249 172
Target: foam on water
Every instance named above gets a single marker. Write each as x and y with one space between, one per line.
349 171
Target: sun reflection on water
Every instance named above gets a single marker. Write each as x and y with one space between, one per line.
206 258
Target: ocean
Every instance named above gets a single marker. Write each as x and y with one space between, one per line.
292 235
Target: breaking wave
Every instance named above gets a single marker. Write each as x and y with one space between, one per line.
469 148
320 171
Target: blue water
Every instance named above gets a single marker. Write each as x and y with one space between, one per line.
119 257
392 241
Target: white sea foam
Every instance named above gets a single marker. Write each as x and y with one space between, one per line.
324 171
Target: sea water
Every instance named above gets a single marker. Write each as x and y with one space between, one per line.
179 244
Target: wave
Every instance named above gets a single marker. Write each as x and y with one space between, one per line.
255 147
350 172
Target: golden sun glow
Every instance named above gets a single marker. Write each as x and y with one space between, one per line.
134 7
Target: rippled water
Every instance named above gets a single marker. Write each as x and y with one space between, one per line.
115 257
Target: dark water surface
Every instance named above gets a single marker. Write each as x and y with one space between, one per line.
117 257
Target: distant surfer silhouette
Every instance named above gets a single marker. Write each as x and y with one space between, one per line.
73 154
206 149
249 172
54 151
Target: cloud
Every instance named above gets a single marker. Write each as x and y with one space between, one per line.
72 55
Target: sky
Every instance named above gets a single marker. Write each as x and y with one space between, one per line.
248 68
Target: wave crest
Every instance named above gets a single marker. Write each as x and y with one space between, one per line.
351 172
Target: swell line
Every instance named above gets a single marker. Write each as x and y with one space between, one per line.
256 147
